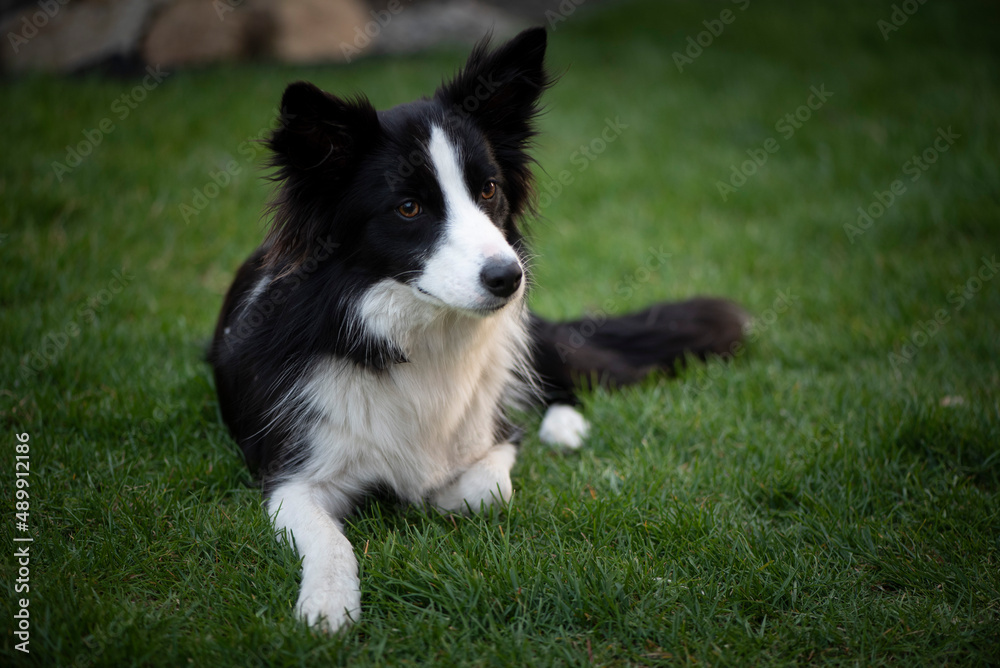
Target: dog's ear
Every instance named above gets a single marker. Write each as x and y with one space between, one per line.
319 141
499 91
319 130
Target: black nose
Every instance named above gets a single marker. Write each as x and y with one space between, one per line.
501 277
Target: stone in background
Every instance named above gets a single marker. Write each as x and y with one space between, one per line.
74 35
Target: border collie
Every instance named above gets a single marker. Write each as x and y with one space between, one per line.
379 335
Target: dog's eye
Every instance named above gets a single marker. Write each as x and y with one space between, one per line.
408 209
489 189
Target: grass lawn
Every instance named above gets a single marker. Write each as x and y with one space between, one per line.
830 497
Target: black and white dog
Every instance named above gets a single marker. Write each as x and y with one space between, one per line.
378 336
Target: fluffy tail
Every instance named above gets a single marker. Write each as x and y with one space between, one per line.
623 350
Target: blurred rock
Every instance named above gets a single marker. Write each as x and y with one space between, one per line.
196 32
73 35
64 36
311 31
192 32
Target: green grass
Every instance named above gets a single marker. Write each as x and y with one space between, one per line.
831 497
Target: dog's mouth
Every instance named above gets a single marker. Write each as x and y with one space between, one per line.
489 305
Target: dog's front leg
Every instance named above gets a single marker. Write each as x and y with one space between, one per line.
330 595
481 485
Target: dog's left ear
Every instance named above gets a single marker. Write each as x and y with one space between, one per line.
499 91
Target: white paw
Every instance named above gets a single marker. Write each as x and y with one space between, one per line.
328 608
485 484
563 425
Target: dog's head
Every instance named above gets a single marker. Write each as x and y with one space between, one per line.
428 193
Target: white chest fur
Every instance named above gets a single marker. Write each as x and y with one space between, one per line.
418 424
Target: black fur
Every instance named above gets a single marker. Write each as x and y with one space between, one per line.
620 351
338 163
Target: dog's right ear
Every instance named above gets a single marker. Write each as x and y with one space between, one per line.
320 131
319 141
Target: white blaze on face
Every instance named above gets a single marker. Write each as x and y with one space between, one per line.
453 272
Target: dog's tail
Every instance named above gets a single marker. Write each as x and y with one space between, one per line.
615 351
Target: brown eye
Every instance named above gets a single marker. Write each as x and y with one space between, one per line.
489 189
408 209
